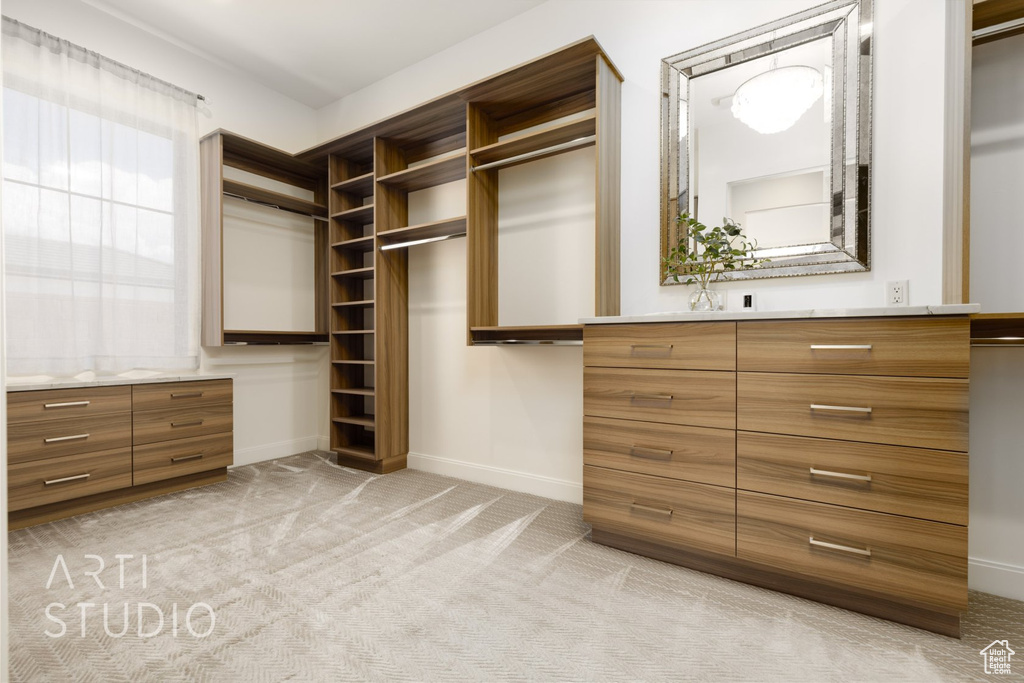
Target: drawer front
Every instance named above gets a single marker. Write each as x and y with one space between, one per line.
181 423
678 346
159 461
174 395
915 482
41 482
696 454
698 398
58 404
665 511
903 411
27 441
906 558
900 347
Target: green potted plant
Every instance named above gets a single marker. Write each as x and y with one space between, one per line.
703 255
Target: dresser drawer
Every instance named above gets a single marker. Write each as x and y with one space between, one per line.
57 404
903 411
696 454
28 441
678 346
906 558
915 482
169 459
181 423
912 347
665 511
698 398
41 482
173 395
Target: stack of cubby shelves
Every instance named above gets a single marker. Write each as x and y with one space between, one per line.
352 319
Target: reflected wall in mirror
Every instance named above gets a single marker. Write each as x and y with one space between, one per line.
772 128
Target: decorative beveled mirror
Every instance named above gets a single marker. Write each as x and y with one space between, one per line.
772 129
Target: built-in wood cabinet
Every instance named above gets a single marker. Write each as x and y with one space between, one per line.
360 184
836 448
75 450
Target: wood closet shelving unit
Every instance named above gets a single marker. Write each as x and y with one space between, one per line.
564 100
217 150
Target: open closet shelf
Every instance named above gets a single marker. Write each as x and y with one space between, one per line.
533 335
362 303
356 391
272 337
352 362
361 186
263 196
357 244
365 452
424 232
356 273
537 144
997 329
360 214
437 172
343 332
364 420
255 157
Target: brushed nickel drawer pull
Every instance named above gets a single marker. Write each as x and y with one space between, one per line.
649 509
48 482
192 423
183 458
655 453
840 475
55 439
841 409
188 394
840 347
866 552
66 404
633 396
664 347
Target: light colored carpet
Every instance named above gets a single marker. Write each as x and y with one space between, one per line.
318 572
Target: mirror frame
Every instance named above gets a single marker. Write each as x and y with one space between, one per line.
849 247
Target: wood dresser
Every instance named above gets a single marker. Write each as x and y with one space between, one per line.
78 449
824 457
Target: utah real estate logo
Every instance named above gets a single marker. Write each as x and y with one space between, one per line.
997 657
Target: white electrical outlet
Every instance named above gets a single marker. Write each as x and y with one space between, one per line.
897 293
748 301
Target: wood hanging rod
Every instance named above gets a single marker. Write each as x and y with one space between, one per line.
268 205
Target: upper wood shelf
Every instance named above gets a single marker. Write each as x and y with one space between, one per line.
537 141
437 172
361 186
997 328
358 244
360 214
277 199
434 231
528 335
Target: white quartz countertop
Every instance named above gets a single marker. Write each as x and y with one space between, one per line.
37 384
688 316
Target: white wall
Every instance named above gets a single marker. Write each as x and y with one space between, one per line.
280 399
997 283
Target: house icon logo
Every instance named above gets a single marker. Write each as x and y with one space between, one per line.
997 657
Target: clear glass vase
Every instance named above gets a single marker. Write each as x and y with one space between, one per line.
704 299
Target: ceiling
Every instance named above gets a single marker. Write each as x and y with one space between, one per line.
316 51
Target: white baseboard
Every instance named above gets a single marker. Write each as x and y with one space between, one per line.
538 485
272 451
323 443
997 578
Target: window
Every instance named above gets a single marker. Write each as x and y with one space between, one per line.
100 213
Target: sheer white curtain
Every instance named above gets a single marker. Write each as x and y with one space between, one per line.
100 212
